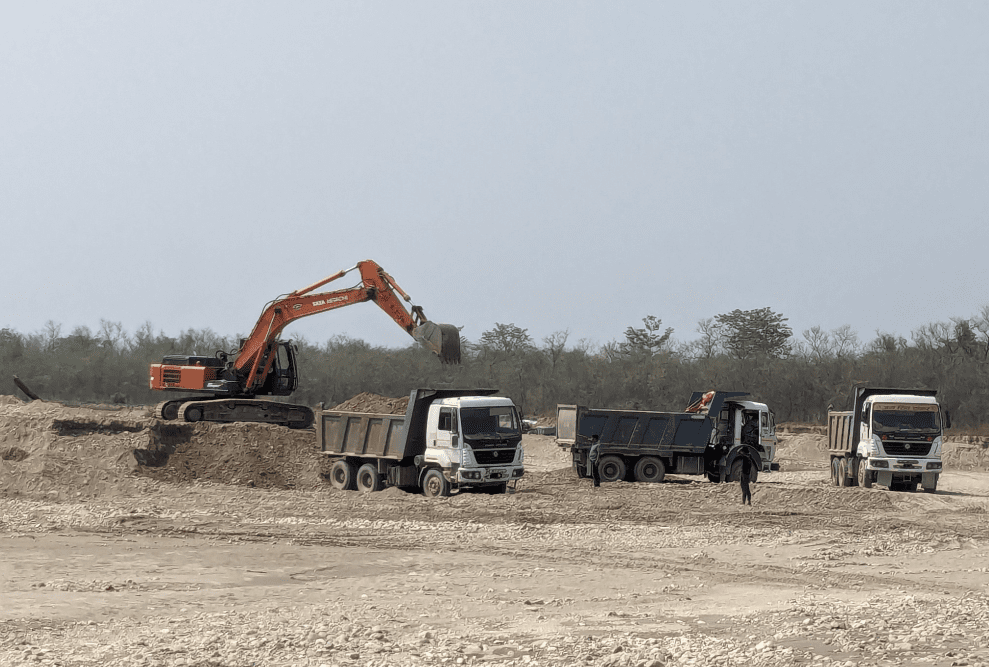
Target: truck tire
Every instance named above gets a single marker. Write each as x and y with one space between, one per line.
650 469
843 478
834 472
434 485
864 475
611 468
714 478
342 475
368 479
581 470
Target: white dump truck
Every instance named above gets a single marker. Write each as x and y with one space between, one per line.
449 440
890 437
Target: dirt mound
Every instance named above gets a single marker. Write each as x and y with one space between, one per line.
55 450
368 402
259 455
50 449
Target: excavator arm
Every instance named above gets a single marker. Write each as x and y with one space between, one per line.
256 354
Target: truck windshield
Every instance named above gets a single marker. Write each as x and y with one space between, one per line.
906 418
496 422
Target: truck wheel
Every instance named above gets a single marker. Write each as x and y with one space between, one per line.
434 485
342 475
864 475
368 479
611 469
581 470
843 479
834 472
650 469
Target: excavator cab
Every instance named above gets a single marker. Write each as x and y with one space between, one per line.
283 378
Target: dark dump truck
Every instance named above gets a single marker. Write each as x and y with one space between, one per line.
711 437
449 440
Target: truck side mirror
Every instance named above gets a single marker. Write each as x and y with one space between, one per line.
947 419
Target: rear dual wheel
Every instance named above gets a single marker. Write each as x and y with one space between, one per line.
342 475
368 478
650 469
611 468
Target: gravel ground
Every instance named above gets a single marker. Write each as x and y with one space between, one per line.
105 563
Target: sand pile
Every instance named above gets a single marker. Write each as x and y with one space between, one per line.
260 455
50 449
373 403
55 450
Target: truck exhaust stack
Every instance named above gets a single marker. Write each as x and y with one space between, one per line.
442 339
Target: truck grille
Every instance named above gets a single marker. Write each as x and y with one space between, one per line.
494 456
917 449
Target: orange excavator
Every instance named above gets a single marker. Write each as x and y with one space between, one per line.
266 366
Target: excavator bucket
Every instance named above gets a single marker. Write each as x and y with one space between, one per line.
442 339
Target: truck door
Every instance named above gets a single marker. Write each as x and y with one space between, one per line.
446 429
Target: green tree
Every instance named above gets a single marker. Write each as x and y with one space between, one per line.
752 333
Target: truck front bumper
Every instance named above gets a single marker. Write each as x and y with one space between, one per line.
487 475
889 470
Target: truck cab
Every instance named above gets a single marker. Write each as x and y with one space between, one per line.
475 441
900 439
753 424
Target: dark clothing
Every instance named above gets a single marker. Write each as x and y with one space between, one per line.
744 478
592 464
750 433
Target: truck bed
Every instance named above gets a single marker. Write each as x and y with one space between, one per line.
633 430
361 434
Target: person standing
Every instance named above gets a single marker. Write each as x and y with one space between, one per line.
743 479
592 461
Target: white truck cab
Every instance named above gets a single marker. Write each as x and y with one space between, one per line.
900 439
763 437
475 441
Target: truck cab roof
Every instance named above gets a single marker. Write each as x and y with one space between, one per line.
901 398
752 405
474 401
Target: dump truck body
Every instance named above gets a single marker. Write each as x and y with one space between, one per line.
448 440
642 445
890 437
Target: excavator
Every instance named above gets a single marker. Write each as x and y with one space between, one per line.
230 382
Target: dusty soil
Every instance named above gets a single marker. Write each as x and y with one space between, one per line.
234 552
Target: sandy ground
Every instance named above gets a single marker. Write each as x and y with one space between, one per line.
237 553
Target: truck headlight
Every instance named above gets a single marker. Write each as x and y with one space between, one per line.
933 465
879 463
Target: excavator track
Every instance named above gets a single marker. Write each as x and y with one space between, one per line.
225 410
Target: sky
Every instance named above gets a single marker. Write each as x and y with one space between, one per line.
560 166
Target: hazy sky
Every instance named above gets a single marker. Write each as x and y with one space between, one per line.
556 165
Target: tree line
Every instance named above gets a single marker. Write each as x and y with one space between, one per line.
754 351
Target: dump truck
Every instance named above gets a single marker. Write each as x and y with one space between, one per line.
449 440
890 437
711 437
